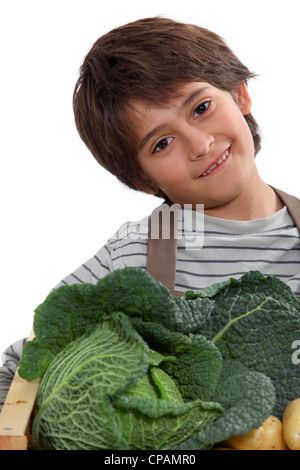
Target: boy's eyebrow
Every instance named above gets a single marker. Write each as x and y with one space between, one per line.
149 136
194 95
184 105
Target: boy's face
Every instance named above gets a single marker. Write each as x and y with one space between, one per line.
198 149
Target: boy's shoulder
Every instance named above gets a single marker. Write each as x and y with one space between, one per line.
130 231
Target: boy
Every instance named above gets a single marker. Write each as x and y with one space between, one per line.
164 107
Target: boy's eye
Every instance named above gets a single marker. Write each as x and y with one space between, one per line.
162 144
201 108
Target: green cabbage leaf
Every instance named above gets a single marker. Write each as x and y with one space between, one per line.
256 319
102 392
126 365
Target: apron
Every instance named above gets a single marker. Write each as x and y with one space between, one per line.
162 253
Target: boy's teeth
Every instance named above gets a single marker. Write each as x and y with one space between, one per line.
218 163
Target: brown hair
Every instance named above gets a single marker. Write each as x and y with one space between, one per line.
146 60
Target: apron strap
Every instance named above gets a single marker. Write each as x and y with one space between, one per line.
292 204
162 252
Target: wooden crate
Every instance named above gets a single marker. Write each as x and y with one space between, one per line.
16 414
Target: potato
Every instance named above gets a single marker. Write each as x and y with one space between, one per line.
291 424
269 436
250 441
273 435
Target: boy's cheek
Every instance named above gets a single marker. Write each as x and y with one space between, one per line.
173 178
169 174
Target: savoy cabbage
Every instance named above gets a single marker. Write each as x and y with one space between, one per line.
125 365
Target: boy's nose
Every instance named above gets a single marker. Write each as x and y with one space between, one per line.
199 143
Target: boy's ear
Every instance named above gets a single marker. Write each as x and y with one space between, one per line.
242 97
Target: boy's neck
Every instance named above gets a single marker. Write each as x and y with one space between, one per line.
254 202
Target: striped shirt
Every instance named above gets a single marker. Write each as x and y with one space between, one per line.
213 252
209 250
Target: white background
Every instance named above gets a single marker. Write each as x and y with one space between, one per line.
58 206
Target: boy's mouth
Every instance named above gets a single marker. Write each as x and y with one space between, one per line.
217 163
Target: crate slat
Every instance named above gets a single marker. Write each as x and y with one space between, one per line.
16 412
